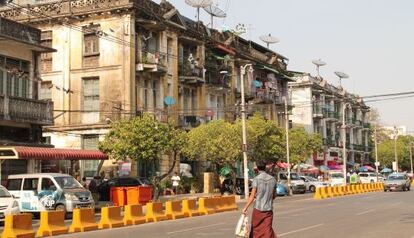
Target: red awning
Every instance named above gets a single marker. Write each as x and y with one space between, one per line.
24 152
225 49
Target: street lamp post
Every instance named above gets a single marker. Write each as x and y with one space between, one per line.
344 140
244 133
376 150
411 156
287 144
395 148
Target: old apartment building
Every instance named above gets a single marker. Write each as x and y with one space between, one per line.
119 59
319 107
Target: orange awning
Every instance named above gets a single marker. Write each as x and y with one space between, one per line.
41 153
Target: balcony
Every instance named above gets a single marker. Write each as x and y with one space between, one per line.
152 62
265 97
26 110
358 147
330 142
367 125
218 76
331 115
317 111
20 32
190 73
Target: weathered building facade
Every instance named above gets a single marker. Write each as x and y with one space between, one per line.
319 107
22 114
118 59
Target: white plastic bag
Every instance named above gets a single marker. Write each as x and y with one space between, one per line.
242 228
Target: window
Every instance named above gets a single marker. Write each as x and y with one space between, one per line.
46 58
90 104
46 91
14 184
154 94
91 94
90 142
146 94
47 184
14 77
30 184
2 81
90 43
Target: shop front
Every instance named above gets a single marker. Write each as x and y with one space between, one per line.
23 159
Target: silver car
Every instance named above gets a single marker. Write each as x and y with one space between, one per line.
397 181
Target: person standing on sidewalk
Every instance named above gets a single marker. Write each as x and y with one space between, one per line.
263 193
175 182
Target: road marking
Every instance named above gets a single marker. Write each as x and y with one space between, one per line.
362 213
299 230
194 228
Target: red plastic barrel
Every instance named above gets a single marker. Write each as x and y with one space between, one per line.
144 194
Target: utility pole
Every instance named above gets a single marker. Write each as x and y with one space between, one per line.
376 151
244 132
344 141
411 156
395 148
287 143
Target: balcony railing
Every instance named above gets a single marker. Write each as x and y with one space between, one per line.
330 142
19 31
154 62
317 111
190 73
358 147
26 110
217 75
263 96
367 125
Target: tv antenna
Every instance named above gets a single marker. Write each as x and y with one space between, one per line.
341 76
269 39
199 4
214 11
318 64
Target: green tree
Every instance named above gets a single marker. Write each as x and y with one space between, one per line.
144 139
386 154
217 141
302 144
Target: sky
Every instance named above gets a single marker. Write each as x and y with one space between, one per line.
370 40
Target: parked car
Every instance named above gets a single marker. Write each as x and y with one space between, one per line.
312 183
296 184
105 187
397 181
336 178
8 204
48 191
281 190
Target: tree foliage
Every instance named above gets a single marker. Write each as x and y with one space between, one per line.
302 144
386 154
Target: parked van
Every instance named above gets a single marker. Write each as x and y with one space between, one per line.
336 178
367 177
48 191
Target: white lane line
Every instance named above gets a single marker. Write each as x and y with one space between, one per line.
299 230
362 213
195 228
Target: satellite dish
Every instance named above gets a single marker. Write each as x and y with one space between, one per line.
198 4
269 39
169 101
214 12
318 64
341 76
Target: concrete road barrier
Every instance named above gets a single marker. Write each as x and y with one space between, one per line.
206 206
226 204
52 223
173 210
318 194
133 215
330 192
111 218
19 225
155 212
324 193
83 219
190 208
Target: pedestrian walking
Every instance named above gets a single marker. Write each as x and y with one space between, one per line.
84 183
175 182
263 193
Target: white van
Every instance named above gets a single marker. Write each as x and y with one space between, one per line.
367 177
48 191
336 178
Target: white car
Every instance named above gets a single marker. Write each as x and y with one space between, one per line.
336 178
368 177
8 205
312 183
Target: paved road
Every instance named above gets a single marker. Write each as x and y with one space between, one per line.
369 215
